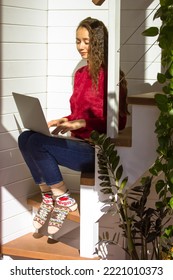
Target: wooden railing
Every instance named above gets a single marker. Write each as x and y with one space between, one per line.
98 2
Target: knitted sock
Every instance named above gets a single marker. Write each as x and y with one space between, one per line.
45 208
63 205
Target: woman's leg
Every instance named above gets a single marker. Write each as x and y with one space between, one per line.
43 154
78 156
47 198
48 153
45 208
23 142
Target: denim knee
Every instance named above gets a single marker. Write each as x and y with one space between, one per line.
24 138
35 142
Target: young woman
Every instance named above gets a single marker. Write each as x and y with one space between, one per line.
44 154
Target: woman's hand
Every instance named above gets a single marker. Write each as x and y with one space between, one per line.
64 126
56 122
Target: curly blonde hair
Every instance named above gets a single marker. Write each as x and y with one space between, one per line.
98 46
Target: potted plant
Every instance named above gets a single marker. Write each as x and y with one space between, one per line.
148 231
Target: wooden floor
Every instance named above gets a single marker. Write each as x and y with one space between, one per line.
36 246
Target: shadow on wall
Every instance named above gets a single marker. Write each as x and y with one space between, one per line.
136 62
11 190
137 88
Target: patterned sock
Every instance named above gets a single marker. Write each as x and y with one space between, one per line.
63 205
45 208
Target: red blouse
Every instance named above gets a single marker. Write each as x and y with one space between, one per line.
89 103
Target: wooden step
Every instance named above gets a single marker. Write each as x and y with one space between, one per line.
142 99
124 138
87 179
74 216
36 246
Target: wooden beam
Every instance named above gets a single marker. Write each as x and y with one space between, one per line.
98 2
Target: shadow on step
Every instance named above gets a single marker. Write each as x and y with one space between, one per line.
71 238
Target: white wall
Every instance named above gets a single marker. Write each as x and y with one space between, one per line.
24 69
141 62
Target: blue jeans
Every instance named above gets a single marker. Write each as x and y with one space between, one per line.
43 155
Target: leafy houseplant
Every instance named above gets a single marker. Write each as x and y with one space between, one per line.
146 229
142 227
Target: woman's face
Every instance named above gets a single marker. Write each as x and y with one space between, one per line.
82 41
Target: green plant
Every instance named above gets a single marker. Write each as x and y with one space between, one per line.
146 228
142 226
164 101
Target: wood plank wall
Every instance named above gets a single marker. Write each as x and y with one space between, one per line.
24 69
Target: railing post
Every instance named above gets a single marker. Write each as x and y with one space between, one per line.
113 67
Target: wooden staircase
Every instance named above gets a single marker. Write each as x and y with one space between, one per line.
39 246
36 246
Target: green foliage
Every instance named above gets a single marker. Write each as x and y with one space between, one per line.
151 31
164 123
144 226
161 78
141 226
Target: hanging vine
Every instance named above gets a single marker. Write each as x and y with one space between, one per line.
164 101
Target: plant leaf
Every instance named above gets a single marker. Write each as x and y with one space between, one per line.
159 185
161 78
162 102
119 172
171 202
123 183
151 32
115 162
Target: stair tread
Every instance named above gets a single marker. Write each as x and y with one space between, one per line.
74 216
87 179
36 246
142 99
124 138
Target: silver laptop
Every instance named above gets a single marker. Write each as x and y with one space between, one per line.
32 115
